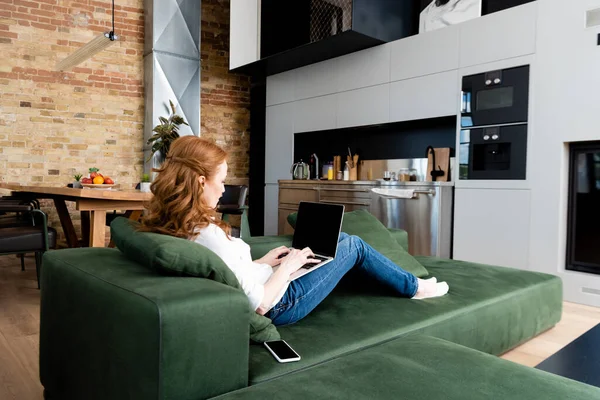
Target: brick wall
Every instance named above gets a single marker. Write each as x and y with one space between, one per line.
225 111
55 124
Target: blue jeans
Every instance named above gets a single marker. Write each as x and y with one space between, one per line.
306 292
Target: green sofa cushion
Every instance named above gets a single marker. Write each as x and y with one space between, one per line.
363 224
418 368
179 257
491 309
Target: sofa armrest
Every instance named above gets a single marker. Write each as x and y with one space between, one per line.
401 237
261 245
111 329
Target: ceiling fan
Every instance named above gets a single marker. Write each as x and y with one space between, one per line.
90 49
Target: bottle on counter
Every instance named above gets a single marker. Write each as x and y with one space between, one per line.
346 172
330 172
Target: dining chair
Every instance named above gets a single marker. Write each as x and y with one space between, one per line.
233 202
34 237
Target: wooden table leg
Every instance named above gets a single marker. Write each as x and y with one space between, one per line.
66 222
97 228
133 215
85 228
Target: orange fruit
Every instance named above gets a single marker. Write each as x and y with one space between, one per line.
98 180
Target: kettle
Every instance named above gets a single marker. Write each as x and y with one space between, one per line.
300 170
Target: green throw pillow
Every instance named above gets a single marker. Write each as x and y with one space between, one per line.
363 224
180 257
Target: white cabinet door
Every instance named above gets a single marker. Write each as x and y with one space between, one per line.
363 68
492 226
271 205
280 88
363 106
315 80
279 146
424 54
315 114
424 97
244 34
498 36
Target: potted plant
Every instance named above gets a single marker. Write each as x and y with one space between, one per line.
165 133
145 184
77 181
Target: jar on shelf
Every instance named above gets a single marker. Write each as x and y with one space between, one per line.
404 175
413 175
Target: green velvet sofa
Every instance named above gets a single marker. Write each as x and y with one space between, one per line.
113 329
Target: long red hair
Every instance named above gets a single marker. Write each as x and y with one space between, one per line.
177 207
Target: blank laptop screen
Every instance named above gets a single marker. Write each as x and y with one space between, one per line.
318 227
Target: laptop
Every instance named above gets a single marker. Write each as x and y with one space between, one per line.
318 226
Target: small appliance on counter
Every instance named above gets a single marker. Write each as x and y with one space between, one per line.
300 170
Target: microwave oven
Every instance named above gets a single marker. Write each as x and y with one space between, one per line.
495 97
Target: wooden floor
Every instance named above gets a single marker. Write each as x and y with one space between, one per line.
19 326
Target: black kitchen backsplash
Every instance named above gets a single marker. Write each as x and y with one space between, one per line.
378 142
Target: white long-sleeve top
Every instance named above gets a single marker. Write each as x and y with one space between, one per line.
236 255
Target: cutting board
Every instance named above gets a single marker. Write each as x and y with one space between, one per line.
442 159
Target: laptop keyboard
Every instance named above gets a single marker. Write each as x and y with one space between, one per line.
310 265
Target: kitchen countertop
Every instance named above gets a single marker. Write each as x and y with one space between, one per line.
369 183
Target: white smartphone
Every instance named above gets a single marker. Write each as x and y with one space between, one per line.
282 351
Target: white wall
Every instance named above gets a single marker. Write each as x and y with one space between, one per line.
567 109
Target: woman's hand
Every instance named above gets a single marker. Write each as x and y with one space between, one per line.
272 257
296 259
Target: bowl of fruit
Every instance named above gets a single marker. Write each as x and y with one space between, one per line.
96 180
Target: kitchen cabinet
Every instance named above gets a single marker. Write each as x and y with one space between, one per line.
283 227
424 54
492 226
424 97
293 195
365 68
280 88
279 142
315 114
315 80
244 32
364 106
354 196
294 34
502 35
271 203
290 195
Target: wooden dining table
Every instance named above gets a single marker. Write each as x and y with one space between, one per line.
91 203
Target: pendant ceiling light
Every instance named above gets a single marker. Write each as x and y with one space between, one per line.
90 49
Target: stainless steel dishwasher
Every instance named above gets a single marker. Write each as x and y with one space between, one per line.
424 210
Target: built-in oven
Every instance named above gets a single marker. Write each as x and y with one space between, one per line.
495 97
497 152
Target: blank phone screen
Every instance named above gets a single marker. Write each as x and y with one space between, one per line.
282 350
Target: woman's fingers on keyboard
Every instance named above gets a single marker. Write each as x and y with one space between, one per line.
307 251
